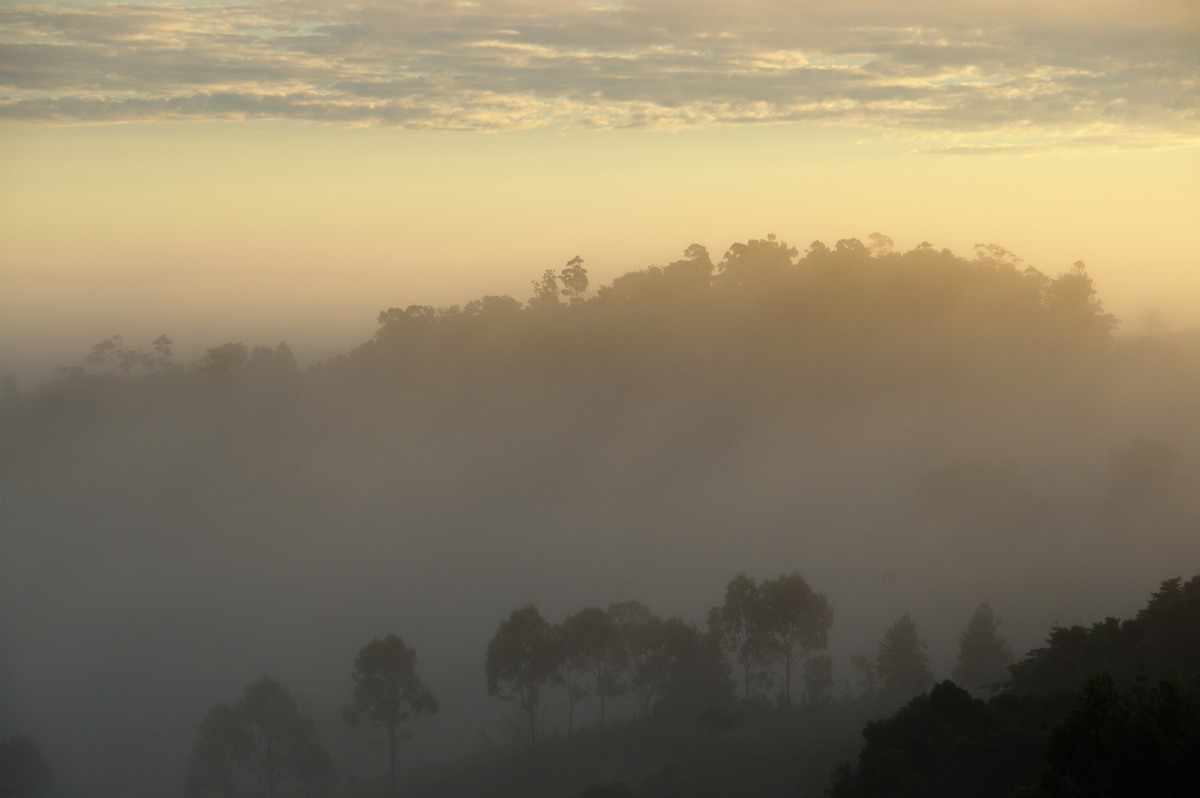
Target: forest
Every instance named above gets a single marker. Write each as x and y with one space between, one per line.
427 566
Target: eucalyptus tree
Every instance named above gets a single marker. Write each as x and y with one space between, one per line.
522 660
795 622
983 656
593 642
387 693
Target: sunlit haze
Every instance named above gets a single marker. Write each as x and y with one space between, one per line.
150 188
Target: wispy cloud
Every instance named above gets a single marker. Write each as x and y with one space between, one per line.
1058 69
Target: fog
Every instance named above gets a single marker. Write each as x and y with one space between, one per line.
912 432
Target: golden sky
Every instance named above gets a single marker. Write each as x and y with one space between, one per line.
284 170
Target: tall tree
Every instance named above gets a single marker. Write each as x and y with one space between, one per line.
572 676
263 737
593 642
574 279
522 659
545 291
276 732
795 622
738 624
818 681
983 656
647 660
903 662
217 753
387 692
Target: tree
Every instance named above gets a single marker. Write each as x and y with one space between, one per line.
522 659
738 624
983 656
572 676
114 352
592 641
223 361
794 621
217 753
275 731
387 692
1076 313
696 683
947 744
1139 742
574 279
263 737
903 662
756 263
545 291
870 674
23 769
646 651
818 681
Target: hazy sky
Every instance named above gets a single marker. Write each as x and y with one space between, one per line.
284 170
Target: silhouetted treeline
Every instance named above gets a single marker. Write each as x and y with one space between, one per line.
1113 709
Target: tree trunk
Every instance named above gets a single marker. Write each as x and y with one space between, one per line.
392 763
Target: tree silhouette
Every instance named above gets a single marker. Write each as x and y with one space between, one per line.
572 676
738 624
276 732
645 647
217 753
263 736
795 621
574 279
903 662
818 681
522 659
983 656
593 642
387 692
1143 741
546 292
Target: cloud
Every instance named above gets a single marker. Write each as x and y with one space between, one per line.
1057 68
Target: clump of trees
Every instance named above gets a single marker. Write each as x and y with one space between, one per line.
262 740
900 668
665 667
771 629
1111 709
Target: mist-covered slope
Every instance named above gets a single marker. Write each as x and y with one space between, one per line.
914 432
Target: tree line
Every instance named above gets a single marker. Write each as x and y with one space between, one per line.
773 632
1107 710
925 319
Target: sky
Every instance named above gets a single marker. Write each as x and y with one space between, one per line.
267 171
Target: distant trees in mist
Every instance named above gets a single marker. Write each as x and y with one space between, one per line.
387 693
781 403
925 319
771 628
263 740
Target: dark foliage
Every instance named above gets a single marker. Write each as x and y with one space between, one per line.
1164 637
947 744
1138 741
1143 741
